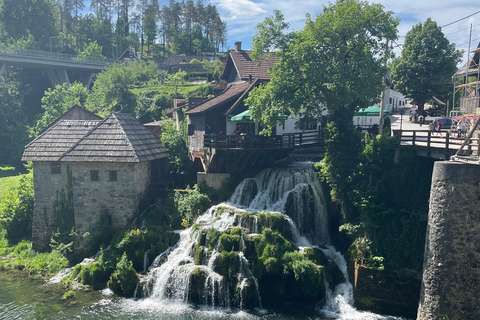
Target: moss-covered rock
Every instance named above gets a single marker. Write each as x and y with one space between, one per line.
197 285
199 254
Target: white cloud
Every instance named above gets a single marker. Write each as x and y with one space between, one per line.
240 9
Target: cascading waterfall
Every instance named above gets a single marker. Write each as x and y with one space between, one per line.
294 192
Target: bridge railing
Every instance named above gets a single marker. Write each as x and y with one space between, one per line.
53 55
443 142
301 139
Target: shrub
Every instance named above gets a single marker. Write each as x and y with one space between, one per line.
16 209
124 280
191 203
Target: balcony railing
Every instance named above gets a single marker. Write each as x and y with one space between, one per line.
287 140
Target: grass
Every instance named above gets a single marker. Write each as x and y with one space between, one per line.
9 178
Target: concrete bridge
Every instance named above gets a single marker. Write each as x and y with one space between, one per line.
55 64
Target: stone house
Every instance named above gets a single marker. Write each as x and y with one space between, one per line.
100 166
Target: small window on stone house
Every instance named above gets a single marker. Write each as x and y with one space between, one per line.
56 168
112 175
93 175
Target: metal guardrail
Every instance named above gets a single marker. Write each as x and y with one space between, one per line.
54 56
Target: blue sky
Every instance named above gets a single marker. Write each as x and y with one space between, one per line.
243 15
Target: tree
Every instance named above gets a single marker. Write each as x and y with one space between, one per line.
176 141
57 101
426 65
91 50
335 63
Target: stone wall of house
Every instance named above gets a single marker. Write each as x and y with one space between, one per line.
451 269
46 186
118 199
213 180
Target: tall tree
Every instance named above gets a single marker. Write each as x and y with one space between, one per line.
20 18
335 63
426 65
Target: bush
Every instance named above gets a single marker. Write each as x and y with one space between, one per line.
124 280
191 203
16 209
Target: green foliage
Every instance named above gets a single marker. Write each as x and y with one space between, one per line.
353 36
427 52
68 295
111 90
63 218
21 256
383 223
176 80
124 280
16 209
176 141
91 50
57 101
307 274
191 203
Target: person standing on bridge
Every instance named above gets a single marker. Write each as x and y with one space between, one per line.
421 120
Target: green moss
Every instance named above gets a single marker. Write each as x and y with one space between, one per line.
198 257
202 238
212 237
197 285
364 303
68 295
316 255
228 265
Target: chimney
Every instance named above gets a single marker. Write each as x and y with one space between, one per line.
238 46
250 78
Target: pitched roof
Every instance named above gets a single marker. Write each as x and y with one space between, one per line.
233 92
57 139
118 138
76 113
245 66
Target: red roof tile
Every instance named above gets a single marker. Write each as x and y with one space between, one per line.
246 66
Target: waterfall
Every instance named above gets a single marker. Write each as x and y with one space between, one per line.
192 270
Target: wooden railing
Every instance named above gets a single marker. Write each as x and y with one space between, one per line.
305 138
443 142
288 140
242 142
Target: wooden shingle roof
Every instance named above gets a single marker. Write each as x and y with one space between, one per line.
231 94
118 138
52 144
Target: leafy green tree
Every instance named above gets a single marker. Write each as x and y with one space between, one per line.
21 18
335 63
57 101
111 90
176 141
91 50
426 65
177 79
16 209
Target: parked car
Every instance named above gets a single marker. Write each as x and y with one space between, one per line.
446 123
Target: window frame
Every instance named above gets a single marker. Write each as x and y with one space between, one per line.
94 176
55 168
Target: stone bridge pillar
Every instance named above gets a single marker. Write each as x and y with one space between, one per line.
451 269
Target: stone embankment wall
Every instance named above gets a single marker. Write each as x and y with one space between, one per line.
451 271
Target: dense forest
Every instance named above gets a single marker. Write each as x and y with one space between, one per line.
27 99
